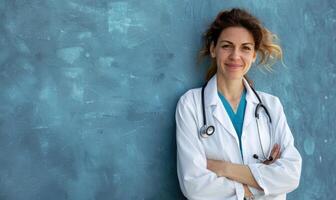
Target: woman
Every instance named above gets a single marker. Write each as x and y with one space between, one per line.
240 146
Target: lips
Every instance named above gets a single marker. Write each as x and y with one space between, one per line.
233 65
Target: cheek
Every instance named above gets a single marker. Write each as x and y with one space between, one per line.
221 55
248 59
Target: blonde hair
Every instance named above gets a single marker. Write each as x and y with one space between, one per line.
266 45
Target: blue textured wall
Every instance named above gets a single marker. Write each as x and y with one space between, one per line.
89 88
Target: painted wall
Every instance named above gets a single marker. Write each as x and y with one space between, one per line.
89 89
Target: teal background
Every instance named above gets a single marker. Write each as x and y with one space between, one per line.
89 89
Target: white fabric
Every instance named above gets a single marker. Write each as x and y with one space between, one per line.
197 182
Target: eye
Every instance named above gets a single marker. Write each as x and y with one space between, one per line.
247 48
226 46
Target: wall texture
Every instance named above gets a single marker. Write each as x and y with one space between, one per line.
89 89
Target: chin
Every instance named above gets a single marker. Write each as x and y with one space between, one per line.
234 75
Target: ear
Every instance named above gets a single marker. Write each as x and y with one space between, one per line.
212 50
254 57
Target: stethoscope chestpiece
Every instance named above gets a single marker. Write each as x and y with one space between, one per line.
207 131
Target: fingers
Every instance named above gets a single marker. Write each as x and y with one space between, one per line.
247 192
275 151
275 154
278 154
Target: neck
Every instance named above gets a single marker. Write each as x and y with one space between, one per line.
231 89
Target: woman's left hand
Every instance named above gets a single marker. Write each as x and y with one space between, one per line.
275 154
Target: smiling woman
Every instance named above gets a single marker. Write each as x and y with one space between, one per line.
234 55
232 141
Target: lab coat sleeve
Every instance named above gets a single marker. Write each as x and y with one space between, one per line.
283 175
196 181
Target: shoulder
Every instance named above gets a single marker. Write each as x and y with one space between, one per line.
191 96
188 104
272 103
269 99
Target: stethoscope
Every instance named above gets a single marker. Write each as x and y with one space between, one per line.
208 130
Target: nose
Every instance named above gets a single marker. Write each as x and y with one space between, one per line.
235 54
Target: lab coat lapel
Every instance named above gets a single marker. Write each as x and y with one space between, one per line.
251 103
213 102
223 118
249 114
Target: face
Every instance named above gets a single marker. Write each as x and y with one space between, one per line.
234 52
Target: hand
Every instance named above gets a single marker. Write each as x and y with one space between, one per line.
216 166
275 153
247 192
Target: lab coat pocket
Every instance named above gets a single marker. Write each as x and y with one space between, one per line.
211 147
220 145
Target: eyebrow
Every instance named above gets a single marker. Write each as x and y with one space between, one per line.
232 42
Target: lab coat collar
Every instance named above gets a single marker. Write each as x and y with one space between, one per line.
213 101
251 104
211 92
250 96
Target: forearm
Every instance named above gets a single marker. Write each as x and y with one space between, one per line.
235 172
241 174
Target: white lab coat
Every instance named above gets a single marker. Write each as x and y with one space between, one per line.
197 182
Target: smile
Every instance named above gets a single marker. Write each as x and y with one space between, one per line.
233 66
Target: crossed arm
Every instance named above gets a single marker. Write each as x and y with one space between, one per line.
239 172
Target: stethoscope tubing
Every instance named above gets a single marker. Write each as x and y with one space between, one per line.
208 130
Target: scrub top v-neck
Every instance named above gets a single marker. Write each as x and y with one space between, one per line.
237 118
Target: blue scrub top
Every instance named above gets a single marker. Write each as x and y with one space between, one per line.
237 118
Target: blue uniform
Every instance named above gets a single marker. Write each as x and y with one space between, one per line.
237 118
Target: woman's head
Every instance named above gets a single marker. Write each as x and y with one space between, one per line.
239 20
